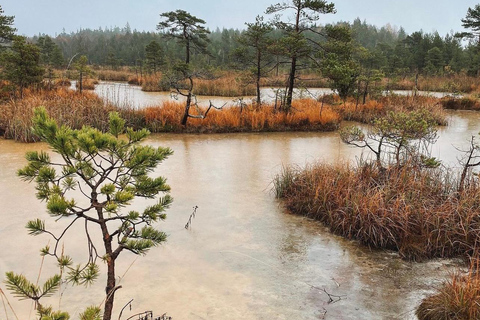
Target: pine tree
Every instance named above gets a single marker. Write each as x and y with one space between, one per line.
187 29
7 32
154 57
82 67
22 64
254 51
295 43
110 172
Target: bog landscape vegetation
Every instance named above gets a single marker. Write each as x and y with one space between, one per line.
395 197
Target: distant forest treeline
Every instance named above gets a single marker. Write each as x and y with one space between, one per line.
390 50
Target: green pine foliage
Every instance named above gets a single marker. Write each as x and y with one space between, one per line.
7 32
21 64
110 170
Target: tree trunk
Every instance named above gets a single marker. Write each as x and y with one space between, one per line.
187 52
187 109
365 92
110 289
259 74
81 81
416 85
291 83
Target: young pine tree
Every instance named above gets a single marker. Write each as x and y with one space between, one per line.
110 172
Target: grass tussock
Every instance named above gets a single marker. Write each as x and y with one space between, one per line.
154 83
458 298
466 103
373 109
417 212
71 108
226 86
113 75
135 80
451 83
62 82
67 107
307 115
87 84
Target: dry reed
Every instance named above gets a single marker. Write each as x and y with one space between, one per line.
87 84
154 83
451 83
373 109
226 86
113 75
417 212
306 115
458 298
67 107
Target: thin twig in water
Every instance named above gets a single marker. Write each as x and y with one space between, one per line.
2 294
189 222
332 298
129 303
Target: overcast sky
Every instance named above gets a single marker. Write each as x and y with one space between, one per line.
51 16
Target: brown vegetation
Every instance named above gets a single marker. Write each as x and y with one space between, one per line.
413 210
226 86
466 103
458 298
87 84
308 115
452 83
154 83
135 80
113 75
75 109
62 82
67 107
373 109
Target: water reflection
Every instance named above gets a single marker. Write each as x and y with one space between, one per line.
125 95
245 256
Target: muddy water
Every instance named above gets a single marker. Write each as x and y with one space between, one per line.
245 257
123 94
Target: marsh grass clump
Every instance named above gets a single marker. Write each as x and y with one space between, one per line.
457 298
415 211
373 109
154 83
113 75
88 84
226 86
65 106
307 115
465 103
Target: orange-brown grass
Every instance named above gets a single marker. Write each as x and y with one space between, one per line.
135 80
67 107
373 109
451 83
454 83
465 103
458 298
306 115
62 82
113 75
87 84
417 212
154 83
225 86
